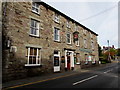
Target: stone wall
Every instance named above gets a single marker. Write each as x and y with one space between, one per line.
16 28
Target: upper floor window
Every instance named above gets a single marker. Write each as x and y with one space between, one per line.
76 38
34 28
85 32
92 45
85 43
68 24
77 43
68 38
56 18
76 27
90 35
56 34
35 8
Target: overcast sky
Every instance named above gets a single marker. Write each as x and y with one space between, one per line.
101 16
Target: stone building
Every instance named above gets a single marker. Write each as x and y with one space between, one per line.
39 39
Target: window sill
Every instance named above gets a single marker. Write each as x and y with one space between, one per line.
93 62
57 41
29 65
77 63
69 43
86 63
34 35
36 13
58 22
69 27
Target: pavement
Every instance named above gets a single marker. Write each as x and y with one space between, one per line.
33 80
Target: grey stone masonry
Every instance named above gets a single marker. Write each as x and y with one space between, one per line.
20 43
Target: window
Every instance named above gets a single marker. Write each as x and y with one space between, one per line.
77 43
91 35
68 38
86 59
56 18
85 43
77 58
68 24
56 58
92 45
56 34
84 32
76 38
34 56
35 8
34 29
76 27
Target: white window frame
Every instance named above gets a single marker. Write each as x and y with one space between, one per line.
92 45
34 28
34 5
69 38
58 55
91 35
85 31
76 27
68 24
78 59
77 43
57 18
85 43
38 57
57 68
58 35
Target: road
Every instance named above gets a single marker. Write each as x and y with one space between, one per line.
103 77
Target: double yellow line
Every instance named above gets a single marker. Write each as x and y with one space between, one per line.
39 81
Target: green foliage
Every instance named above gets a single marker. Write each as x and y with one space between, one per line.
99 50
118 52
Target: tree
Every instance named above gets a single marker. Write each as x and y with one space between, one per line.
118 52
99 50
112 53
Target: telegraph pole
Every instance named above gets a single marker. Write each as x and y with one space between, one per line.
108 51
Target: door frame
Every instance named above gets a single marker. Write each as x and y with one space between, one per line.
56 68
71 58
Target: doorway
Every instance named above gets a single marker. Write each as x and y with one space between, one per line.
68 62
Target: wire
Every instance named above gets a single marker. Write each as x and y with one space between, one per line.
98 14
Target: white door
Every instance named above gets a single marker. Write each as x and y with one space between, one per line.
56 62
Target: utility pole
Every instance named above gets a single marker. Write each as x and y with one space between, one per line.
108 51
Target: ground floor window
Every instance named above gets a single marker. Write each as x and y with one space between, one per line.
86 59
56 58
93 60
77 58
33 56
56 61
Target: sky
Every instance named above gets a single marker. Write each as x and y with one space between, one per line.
101 16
